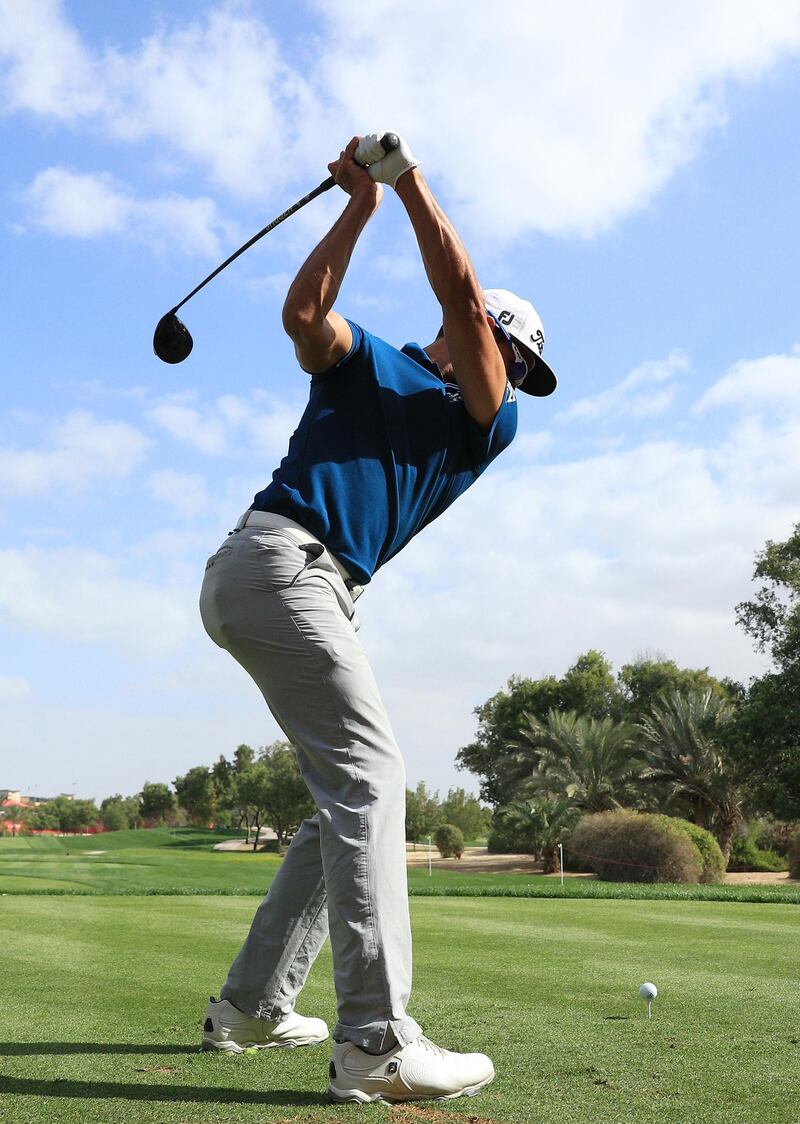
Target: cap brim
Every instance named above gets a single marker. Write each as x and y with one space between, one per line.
540 381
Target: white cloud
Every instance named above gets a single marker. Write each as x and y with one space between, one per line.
80 451
82 206
773 381
232 425
49 70
187 425
582 113
87 205
14 687
220 94
636 394
80 596
184 492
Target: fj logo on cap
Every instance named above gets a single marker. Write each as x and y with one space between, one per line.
506 317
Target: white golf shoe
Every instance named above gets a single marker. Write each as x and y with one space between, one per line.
229 1029
418 1071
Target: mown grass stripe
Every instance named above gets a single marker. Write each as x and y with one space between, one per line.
753 894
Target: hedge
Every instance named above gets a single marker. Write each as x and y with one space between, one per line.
626 846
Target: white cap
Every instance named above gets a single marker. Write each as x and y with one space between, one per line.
520 320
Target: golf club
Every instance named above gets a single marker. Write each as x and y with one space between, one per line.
172 341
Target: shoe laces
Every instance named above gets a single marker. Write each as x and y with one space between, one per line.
431 1046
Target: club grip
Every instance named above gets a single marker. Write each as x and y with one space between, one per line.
389 142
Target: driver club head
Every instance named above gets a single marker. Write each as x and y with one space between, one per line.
172 341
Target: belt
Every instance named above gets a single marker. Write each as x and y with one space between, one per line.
273 522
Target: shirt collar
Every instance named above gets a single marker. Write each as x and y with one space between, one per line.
419 355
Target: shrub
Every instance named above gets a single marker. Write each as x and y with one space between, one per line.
775 835
707 849
745 855
625 846
449 839
794 856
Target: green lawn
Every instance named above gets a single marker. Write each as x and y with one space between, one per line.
104 997
134 862
160 861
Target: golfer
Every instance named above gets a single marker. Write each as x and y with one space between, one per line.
389 439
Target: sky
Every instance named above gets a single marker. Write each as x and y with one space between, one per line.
633 169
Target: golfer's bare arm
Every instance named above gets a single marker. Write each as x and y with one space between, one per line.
320 336
477 361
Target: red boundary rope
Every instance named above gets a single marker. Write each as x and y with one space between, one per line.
615 862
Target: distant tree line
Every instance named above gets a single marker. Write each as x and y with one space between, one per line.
426 813
259 788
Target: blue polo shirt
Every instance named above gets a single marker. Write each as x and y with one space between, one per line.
383 448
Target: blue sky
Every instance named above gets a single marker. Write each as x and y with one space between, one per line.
632 169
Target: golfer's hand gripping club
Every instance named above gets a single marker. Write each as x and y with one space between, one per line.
385 162
172 341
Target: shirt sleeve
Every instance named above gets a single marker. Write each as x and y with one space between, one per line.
484 445
355 346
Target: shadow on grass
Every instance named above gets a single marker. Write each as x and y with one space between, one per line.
94 1090
22 1049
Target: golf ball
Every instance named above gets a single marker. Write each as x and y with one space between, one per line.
648 991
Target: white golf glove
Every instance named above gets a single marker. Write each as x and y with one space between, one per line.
384 167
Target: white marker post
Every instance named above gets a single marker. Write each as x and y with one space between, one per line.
561 861
430 859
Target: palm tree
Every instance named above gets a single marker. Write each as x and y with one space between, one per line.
544 824
682 751
594 763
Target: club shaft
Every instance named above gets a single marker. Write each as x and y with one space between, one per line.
326 185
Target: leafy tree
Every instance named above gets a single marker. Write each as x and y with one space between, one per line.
422 813
243 758
684 752
76 815
155 801
588 687
286 799
647 680
197 793
764 737
465 812
64 814
43 818
250 795
224 774
592 762
499 721
118 813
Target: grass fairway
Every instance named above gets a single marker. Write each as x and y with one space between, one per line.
155 860
104 997
161 861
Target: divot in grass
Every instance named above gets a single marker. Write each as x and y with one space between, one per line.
412 1114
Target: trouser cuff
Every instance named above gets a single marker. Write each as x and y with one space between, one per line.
378 1036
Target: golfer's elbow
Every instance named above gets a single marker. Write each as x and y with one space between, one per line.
301 318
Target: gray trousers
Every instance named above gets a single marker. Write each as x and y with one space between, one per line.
284 613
